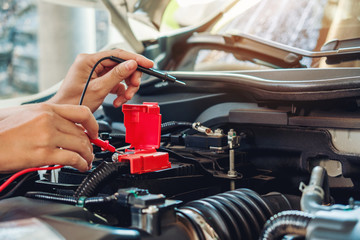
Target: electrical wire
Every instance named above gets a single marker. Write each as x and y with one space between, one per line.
10 193
88 81
150 71
16 175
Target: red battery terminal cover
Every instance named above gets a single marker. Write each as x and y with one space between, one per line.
143 132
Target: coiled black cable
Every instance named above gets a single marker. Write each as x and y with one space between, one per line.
171 126
71 200
287 222
52 197
100 174
238 214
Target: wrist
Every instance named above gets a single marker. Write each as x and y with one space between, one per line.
6 112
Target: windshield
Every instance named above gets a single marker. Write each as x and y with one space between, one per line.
302 24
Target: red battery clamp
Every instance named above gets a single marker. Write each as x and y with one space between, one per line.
143 132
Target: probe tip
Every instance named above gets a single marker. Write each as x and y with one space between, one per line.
181 82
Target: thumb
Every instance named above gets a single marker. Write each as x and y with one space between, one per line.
116 75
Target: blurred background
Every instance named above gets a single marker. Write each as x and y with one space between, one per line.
39 39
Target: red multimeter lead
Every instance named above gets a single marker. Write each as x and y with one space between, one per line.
105 145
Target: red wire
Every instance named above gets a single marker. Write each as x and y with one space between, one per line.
16 175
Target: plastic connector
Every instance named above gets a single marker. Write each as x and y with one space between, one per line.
143 132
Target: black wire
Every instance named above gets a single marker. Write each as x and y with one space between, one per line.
185 159
91 73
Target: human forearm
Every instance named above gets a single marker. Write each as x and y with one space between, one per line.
6 112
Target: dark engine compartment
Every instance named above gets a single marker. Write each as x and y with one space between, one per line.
238 157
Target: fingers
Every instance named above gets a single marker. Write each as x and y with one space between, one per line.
126 92
78 114
109 74
70 136
119 90
141 60
49 135
133 84
77 144
110 81
69 158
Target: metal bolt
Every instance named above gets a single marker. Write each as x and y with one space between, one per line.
115 157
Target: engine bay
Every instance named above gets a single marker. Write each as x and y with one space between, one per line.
260 140
210 166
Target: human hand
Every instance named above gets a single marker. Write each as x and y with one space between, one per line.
42 134
107 78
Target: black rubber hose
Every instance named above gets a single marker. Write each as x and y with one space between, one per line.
284 223
212 216
97 200
251 225
255 208
228 217
172 126
103 172
238 214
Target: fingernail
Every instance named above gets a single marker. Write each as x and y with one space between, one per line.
119 101
90 167
131 96
130 65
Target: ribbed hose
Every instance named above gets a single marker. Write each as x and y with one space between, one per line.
92 181
71 200
52 197
238 214
287 222
171 126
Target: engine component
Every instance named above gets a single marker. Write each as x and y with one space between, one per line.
313 195
201 141
238 214
147 209
336 224
317 221
100 174
287 222
198 127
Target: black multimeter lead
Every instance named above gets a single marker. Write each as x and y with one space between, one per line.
150 71
153 72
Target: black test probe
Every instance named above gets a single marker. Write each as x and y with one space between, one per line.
153 72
